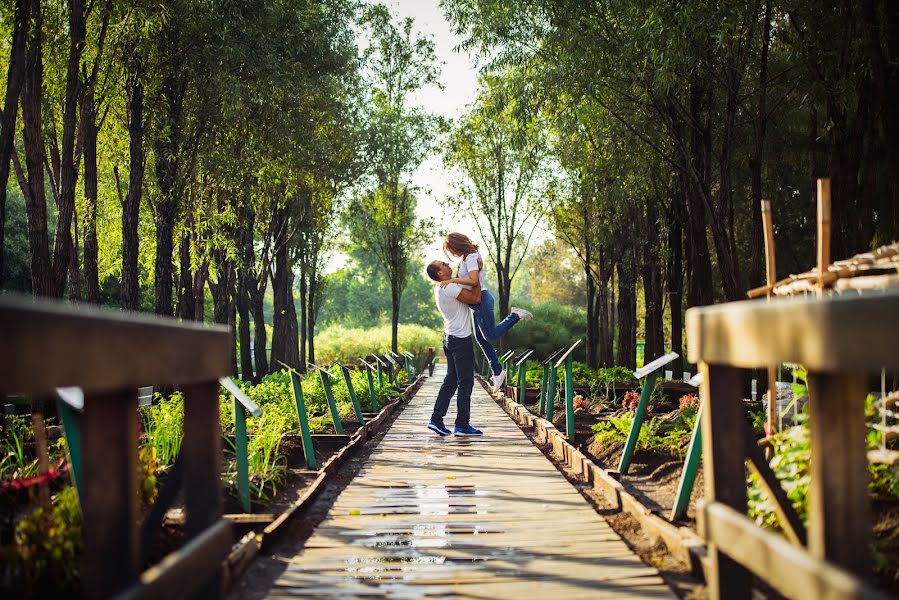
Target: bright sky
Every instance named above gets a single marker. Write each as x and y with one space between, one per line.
460 82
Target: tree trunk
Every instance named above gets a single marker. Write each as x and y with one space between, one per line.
34 186
285 335
651 274
68 175
395 295
675 277
757 159
627 310
243 330
131 208
312 313
592 320
260 337
165 227
303 317
605 328
15 77
187 304
91 247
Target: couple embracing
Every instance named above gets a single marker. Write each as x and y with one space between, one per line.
457 299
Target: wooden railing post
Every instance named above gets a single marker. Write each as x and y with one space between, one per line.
202 468
111 559
839 471
725 474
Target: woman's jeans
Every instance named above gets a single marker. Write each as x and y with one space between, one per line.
486 330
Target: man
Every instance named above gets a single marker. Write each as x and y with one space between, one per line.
452 302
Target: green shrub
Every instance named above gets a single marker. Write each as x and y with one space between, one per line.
164 426
554 326
338 344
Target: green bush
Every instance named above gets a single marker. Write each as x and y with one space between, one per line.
554 326
338 344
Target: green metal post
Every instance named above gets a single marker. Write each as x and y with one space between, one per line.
304 420
648 385
544 381
242 452
569 399
69 418
380 374
353 397
522 381
329 395
691 467
551 394
372 394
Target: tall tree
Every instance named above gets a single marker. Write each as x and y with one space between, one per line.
500 151
15 76
400 62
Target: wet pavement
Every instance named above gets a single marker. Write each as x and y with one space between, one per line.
486 517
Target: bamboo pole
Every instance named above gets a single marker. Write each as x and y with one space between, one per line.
771 278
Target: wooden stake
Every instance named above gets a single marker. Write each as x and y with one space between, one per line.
771 279
823 230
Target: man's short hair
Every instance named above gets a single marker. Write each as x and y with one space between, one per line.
433 270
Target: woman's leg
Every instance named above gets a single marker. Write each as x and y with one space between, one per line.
483 316
488 350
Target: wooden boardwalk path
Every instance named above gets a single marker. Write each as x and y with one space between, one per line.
485 517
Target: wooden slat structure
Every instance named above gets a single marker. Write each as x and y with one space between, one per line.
839 339
109 354
486 517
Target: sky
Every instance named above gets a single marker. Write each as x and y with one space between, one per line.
459 76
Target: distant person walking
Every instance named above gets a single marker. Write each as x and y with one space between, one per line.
452 302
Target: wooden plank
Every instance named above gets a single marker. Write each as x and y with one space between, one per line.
50 344
839 515
835 334
792 571
179 573
448 516
725 475
110 511
202 468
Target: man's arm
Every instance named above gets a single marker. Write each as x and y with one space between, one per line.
472 296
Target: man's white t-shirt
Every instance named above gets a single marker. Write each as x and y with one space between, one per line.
456 314
470 263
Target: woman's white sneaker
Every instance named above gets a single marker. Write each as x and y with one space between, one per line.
522 313
499 380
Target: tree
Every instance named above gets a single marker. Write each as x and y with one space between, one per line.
499 150
399 137
385 225
15 76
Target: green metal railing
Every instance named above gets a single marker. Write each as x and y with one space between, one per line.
522 376
567 360
648 373
370 371
242 405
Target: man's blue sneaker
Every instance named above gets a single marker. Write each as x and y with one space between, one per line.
468 430
438 428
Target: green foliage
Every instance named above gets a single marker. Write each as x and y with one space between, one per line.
339 344
554 326
791 466
16 462
357 296
656 434
48 545
164 426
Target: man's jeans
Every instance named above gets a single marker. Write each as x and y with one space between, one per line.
486 330
459 375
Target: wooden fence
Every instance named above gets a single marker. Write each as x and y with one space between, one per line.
47 345
840 340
